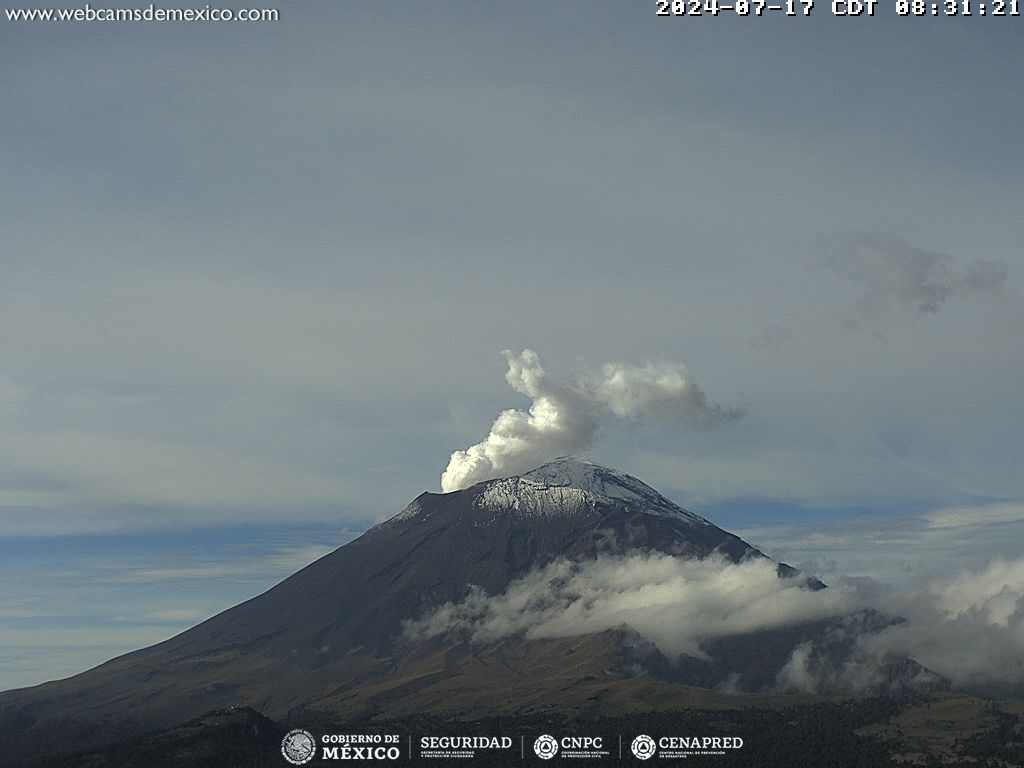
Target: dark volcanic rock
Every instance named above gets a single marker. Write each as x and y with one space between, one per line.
330 634
357 597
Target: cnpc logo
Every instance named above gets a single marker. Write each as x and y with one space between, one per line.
547 746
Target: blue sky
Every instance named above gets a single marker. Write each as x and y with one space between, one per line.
255 280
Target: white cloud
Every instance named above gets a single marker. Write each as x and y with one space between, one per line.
969 628
674 602
811 668
993 593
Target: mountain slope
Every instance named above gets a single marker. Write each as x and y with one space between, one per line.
331 633
357 597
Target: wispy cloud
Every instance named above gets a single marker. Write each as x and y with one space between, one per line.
963 517
902 548
894 275
273 565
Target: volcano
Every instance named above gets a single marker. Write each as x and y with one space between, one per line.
330 637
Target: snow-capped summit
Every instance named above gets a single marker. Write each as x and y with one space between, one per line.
576 472
573 486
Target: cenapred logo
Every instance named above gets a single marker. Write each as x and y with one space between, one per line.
643 747
298 746
546 747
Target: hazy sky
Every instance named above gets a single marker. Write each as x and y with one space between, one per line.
255 282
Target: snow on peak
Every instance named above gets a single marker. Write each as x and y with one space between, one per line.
570 486
574 472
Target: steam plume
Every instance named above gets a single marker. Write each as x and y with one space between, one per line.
566 417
